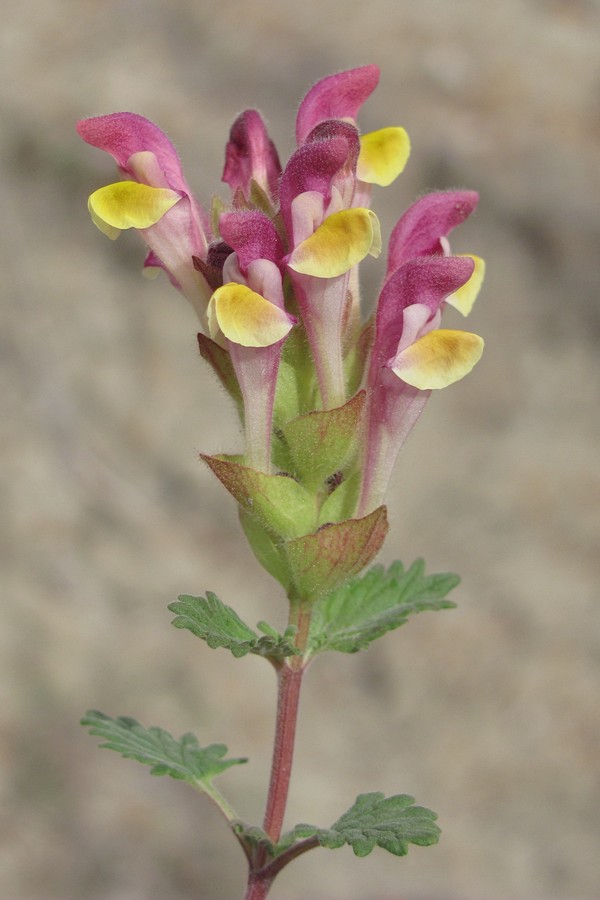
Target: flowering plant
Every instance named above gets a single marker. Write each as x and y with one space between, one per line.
326 397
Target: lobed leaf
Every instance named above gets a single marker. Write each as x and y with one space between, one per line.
355 614
374 820
391 823
220 626
181 758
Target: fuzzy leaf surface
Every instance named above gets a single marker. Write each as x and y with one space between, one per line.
321 442
181 758
220 626
321 561
375 820
358 612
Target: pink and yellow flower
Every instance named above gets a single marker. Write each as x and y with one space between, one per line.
155 199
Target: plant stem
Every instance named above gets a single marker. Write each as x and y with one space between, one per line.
258 886
289 682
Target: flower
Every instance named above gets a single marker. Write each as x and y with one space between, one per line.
249 312
410 357
155 199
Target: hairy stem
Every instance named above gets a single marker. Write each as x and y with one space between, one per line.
258 886
289 679
289 682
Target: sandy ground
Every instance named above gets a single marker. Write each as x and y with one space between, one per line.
489 713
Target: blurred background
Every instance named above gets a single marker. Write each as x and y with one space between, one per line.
489 713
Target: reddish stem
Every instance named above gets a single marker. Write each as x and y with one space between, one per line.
289 682
258 887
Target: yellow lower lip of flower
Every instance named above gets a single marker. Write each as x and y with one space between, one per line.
245 317
438 359
383 155
341 241
128 204
464 298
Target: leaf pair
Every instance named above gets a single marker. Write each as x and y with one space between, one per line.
390 823
347 620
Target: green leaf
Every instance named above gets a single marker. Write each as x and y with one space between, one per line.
321 561
374 820
182 759
267 549
323 441
282 505
363 609
297 834
220 626
391 823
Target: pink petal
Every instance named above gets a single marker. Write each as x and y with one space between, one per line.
312 168
332 128
250 154
252 235
123 134
432 217
337 96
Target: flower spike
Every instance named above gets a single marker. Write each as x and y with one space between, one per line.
125 134
464 298
438 359
273 274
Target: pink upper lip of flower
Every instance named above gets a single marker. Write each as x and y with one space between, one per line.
123 134
252 235
314 166
420 230
338 96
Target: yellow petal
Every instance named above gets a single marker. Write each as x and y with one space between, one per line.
338 244
464 298
128 204
245 317
383 155
438 359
